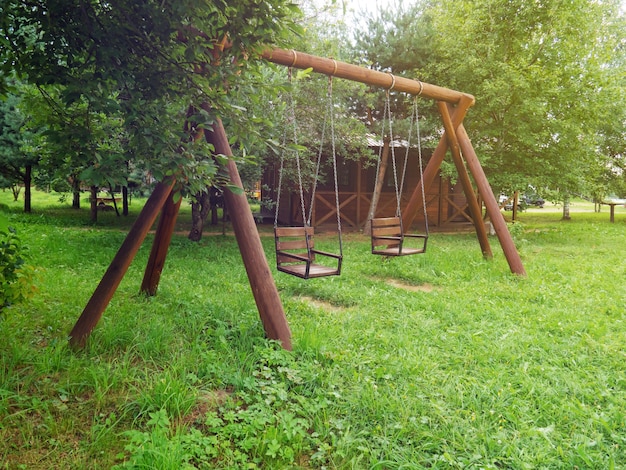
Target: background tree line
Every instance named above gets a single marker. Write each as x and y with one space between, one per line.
97 93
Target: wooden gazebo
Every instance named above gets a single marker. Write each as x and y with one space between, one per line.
446 203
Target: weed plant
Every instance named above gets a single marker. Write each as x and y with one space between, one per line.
442 360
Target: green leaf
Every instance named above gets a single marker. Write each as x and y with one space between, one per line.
234 189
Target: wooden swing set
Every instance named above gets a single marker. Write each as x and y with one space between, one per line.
452 105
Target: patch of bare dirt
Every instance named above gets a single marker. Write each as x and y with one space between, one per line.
410 287
328 307
209 400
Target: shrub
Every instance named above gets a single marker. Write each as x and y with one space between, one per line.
16 278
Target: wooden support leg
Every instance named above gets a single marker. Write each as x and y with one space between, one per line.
472 200
160 245
493 210
118 267
261 280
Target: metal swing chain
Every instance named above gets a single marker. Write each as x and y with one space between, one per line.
393 158
291 119
329 116
317 166
381 146
419 153
331 109
406 154
297 153
282 166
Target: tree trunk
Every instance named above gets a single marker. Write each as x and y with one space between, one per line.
112 193
380 181
76 194
94 203
16 189
28 176
125 200
566 215
216 200
200 206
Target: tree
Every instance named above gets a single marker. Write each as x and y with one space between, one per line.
148 63
538 72
17 155
541 72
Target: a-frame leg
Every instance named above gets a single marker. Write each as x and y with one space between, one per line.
160 245
118 267
493 210
472 200
499 224
261 281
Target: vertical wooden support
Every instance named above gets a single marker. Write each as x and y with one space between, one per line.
380 181
472 200
261 280
515 205
160 245
493 210
118 267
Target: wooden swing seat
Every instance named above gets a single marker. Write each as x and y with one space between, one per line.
295 254
388 238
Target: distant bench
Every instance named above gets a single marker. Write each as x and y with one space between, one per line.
101 203
612 205
104 200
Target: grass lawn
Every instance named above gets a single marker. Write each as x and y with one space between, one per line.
436 361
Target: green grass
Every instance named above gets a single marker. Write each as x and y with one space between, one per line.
442 360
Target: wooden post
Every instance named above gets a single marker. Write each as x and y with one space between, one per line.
515 205
165 229
356 73
118 267
160 245
472 200
261 280
493 210
380 181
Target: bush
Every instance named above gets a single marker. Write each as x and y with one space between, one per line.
16 278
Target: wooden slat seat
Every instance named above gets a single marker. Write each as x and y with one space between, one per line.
388 238
296 254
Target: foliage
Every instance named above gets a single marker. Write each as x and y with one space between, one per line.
398 40
134 73
439 361
550 103
16 277
542 83
16 148
265 424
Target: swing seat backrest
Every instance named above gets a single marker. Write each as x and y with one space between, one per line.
292 244
295 253
388 238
